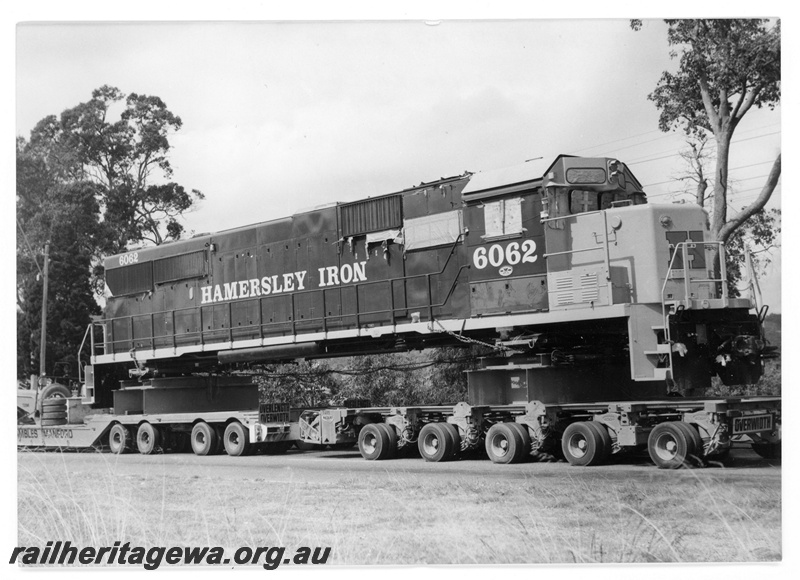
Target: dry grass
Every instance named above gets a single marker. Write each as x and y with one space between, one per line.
382 517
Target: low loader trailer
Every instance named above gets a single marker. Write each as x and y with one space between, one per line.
676 432
164 415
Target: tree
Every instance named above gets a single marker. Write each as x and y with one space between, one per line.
757 236
726 67
383 379
696 157
301 384
91 186
434 376
66 215
126 158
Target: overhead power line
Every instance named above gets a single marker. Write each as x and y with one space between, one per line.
644 159
730 169
616 141
664 136
730 193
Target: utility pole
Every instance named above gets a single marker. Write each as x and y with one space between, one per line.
42 344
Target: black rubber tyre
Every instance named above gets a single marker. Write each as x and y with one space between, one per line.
391 435
220 431
604 442
697 441
583 444
54 404
670 446
119 439
54 414
148 439
456 437
504 443
373 442
53 422
767 450
55 391
525 448
237 441
435 442
203 439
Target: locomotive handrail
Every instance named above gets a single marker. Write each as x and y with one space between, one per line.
687 281
80 350
292 322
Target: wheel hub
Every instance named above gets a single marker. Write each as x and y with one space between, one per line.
369 444
500 445
578 446
431 444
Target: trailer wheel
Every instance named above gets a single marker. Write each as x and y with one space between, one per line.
436 442
767 450
391 449
236 440
504 443
119 439
697 442
583 444
670 446
604 443
525 437
219 448
373 442
204 439
148 439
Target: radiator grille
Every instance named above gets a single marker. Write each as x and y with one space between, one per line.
191 265
371 215
130 279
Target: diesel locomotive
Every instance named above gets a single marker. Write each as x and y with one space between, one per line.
607 317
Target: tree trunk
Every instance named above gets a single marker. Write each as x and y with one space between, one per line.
700 194
720 211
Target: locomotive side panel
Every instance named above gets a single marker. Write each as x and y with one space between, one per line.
506 247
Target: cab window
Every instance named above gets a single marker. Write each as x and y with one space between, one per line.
581 201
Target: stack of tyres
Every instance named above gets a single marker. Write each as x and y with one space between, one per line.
54 405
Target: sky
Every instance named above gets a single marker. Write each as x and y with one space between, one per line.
288 108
